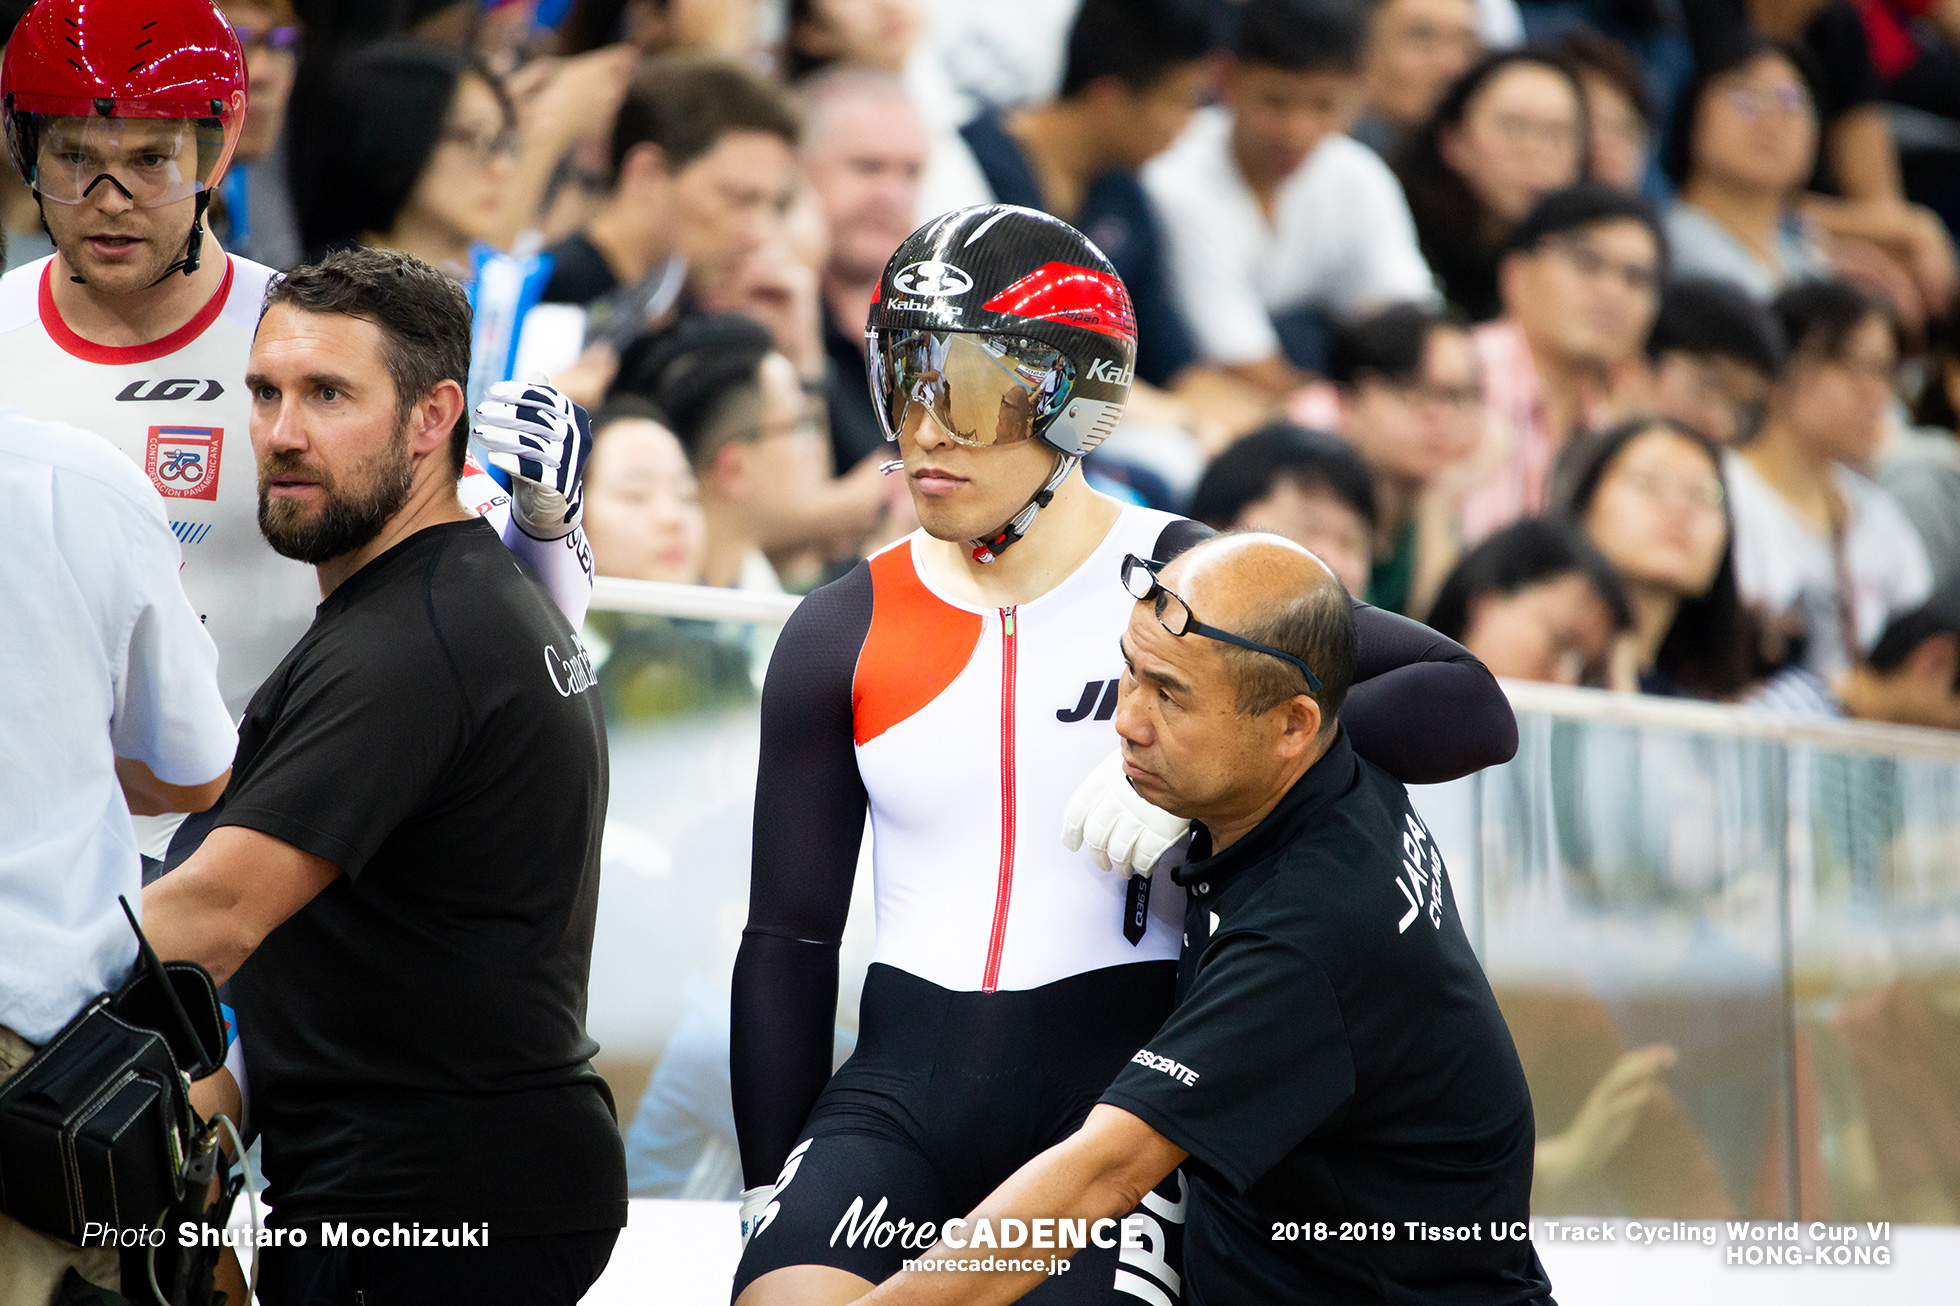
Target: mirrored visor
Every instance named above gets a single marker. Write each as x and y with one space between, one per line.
981 389
152 161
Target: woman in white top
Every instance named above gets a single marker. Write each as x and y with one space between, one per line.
1742 150
1816 542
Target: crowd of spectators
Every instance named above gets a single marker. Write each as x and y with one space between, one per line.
1616 340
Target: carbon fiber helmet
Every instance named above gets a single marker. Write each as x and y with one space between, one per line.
1002 270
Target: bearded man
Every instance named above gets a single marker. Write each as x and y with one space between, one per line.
401 877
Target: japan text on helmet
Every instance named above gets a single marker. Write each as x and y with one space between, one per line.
1031 298
88 86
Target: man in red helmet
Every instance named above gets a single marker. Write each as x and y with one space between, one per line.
139 326
959 686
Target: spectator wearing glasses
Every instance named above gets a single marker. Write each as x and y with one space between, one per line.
1275 223
1580 288
1649 495
1715 353
756 442
1302 485
1416 49
417 146
1743 147
1817 544
1535 602
1859 200
412 147
1412 407
1509 132
258 217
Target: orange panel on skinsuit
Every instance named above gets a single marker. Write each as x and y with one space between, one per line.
917 645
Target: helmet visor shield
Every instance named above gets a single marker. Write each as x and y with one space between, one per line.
981 389
152 161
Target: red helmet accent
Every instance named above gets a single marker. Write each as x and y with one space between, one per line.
126 59
1061 292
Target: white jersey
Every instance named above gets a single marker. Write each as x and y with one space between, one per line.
973 727
178 408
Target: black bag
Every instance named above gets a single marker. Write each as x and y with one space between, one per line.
97 1129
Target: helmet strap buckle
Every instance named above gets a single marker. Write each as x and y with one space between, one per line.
990 548
193 247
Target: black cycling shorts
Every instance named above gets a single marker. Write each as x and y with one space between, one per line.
947 1095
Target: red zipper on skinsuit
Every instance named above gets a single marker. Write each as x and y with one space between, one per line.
1004 889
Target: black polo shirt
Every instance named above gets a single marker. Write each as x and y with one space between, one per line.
1337 1066
854 430
415 1035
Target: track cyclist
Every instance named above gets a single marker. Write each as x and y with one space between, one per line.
959 685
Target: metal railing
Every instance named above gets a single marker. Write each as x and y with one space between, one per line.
658 598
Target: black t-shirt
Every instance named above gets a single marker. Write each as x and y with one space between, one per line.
854 430
1336 1059
579 272
415 1035
1846 77
1117 216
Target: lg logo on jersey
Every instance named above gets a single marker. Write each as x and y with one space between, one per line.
143 392
1103 690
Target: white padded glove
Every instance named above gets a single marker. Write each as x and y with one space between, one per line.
755 1202
1124 833
542 439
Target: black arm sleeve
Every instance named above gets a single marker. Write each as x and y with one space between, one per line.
1421 707
809 821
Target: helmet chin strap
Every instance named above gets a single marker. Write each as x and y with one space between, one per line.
991 547
193 246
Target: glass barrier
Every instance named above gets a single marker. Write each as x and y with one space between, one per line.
681 699
1875 985
1728 948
